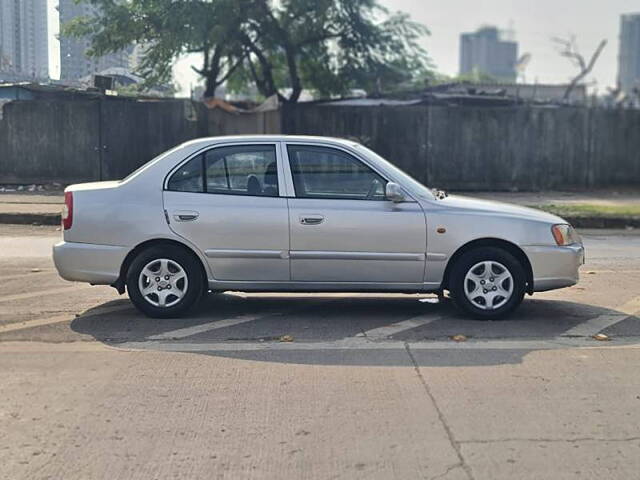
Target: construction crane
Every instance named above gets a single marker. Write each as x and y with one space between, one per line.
521 66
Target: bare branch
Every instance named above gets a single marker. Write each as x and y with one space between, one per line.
230 70
596 55
198 70
568 48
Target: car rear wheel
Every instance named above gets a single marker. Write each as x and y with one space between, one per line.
164 282
488 283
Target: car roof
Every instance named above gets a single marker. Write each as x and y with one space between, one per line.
271 138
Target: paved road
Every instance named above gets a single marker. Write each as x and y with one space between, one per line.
372 386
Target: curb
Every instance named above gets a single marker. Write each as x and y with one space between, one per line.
604 222
30 218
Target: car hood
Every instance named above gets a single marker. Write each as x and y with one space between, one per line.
489 207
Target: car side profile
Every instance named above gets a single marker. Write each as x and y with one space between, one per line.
307 214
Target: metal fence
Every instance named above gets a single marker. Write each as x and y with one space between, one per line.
102 139
462 148
480 148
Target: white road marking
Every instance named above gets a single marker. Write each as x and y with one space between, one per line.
579 336
29 274
596 325
51 291
206 327
395 328
35 323
224 323
61 318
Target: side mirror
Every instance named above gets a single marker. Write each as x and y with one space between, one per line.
394 192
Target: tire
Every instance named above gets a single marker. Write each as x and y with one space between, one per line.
503 288
180 285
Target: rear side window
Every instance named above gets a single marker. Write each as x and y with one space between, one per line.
235 170
242 170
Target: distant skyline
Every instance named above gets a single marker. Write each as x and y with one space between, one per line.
54 45
534 24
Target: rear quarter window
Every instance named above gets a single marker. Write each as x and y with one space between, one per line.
188 178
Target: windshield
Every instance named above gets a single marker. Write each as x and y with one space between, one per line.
407 180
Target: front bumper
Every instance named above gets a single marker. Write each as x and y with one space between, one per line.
87 262
555 267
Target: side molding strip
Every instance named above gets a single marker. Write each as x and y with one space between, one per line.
322 255
231 253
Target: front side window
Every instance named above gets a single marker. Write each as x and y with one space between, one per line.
234 170
322 172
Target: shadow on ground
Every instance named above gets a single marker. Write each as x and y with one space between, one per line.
339 329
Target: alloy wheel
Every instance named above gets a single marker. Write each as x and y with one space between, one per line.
488 285
163 282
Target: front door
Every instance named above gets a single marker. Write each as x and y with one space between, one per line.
227 202
343 229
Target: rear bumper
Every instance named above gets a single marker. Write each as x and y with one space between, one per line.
554 266
86 262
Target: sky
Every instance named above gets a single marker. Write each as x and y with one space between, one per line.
534 23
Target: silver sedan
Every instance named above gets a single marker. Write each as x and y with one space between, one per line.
312 214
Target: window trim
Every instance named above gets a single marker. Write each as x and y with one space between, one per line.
204 150
342 150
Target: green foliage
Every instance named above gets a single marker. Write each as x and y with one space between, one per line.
167 29
329 46
136 90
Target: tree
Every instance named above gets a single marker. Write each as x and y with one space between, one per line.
569 48
280 47
167 29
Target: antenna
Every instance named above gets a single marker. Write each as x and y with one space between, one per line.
509 34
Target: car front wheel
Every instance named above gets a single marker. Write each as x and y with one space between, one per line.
488 283
164 282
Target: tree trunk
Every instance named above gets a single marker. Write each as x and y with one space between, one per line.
210 87
296 84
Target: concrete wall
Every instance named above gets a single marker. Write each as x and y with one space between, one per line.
467 148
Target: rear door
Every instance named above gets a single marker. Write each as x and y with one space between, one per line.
343 229
227 202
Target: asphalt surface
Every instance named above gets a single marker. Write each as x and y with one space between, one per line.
369 386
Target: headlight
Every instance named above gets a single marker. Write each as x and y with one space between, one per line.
565 235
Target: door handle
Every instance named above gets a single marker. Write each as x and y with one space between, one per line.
311 219
185 215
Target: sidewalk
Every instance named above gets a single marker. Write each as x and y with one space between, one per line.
600 209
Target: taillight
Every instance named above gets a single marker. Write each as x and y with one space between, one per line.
67 211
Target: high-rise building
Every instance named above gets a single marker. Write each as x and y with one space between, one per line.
24 46
75 65
629 56
487 51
